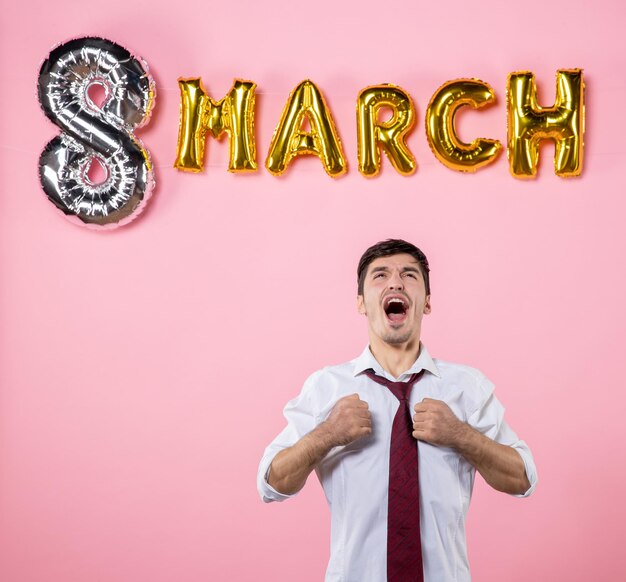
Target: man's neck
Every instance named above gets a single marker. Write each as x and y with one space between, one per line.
395 358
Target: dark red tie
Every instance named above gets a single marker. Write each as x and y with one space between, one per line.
404 545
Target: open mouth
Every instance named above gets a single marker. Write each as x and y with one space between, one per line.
395 309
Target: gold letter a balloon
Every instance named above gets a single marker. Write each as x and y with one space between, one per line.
289 140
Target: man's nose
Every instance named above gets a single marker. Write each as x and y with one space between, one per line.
395 281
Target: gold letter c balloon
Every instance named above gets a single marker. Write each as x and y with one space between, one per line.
441 130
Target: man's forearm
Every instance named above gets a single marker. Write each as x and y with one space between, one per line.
348 421
501 466
291 467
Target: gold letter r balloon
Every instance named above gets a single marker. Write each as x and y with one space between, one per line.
391 134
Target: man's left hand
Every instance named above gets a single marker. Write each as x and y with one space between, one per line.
436 424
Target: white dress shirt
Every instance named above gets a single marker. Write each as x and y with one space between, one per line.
355 477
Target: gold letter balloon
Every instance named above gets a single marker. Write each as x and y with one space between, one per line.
390 135
529 123
233 115
441 129
289 140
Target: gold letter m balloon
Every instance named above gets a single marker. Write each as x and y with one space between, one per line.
233 115
528 123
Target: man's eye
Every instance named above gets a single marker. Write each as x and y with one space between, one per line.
410 275
377 275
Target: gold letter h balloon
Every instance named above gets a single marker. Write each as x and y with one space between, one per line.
528 123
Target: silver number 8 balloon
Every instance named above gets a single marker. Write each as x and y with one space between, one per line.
92 132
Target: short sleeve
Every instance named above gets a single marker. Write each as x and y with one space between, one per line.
300 414
488 419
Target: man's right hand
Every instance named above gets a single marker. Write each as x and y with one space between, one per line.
348 421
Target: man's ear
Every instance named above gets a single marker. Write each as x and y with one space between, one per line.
360 305
427 307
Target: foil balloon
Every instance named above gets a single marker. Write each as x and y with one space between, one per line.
528 123
306 102
233 116
96 133
390 135
441 129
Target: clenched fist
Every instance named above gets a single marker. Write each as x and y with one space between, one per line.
436 424
348 421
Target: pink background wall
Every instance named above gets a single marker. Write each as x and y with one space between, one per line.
131 422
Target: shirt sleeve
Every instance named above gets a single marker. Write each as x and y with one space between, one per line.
488 419
300 414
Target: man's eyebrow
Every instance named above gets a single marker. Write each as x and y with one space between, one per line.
413 269
376 269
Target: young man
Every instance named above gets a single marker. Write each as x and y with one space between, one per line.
395 437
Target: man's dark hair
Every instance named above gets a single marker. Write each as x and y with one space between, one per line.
387 248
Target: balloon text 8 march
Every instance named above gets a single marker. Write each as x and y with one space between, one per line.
105 132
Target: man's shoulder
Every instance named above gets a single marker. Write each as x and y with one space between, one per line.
462 375
449 368
342 370
328 384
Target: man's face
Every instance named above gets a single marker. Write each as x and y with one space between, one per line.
394 299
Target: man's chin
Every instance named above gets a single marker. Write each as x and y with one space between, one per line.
398 337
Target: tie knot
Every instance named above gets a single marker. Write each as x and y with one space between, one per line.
400 390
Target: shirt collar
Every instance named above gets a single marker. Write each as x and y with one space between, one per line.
367 361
